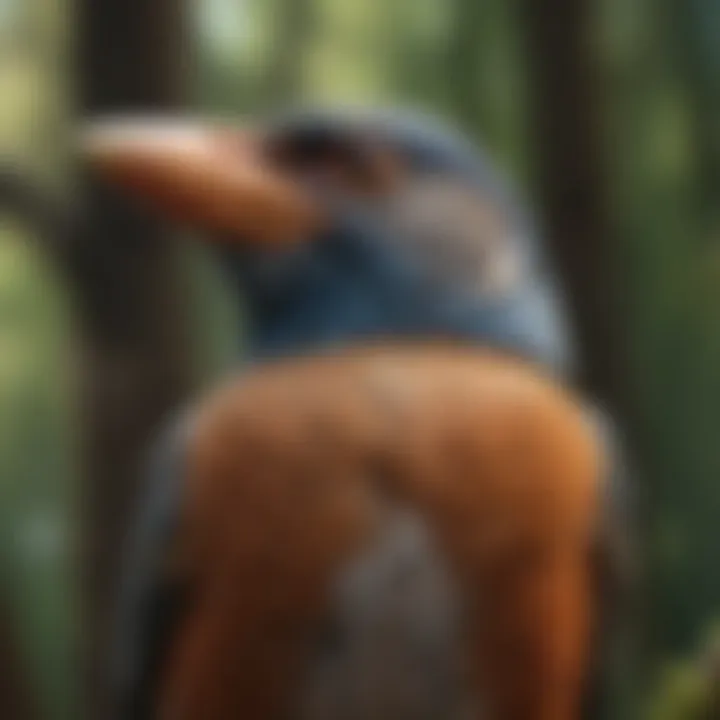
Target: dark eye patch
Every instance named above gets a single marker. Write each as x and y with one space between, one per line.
346 159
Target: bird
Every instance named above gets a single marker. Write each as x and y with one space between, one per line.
391 507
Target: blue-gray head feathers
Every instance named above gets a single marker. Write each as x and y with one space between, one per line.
451 254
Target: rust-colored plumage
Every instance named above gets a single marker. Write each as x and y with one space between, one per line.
290 469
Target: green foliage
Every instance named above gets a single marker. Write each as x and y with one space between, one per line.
38 493
682 695
688 690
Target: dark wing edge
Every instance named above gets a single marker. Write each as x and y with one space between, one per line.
151 595
615 574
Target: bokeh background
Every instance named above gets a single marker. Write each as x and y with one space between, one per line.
606 113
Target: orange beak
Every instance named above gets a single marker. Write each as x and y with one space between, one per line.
211 177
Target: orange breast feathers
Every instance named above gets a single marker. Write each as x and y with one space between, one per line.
291 469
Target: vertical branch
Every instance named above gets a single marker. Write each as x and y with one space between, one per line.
132 57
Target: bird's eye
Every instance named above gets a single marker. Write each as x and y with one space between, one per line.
341 162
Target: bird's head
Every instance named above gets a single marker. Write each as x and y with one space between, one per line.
346 226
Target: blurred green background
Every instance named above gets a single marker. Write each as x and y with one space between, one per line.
657 97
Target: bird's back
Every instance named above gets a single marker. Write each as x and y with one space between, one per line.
364 532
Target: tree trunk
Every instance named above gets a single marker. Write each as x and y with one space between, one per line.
16 699
567 141
132 57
